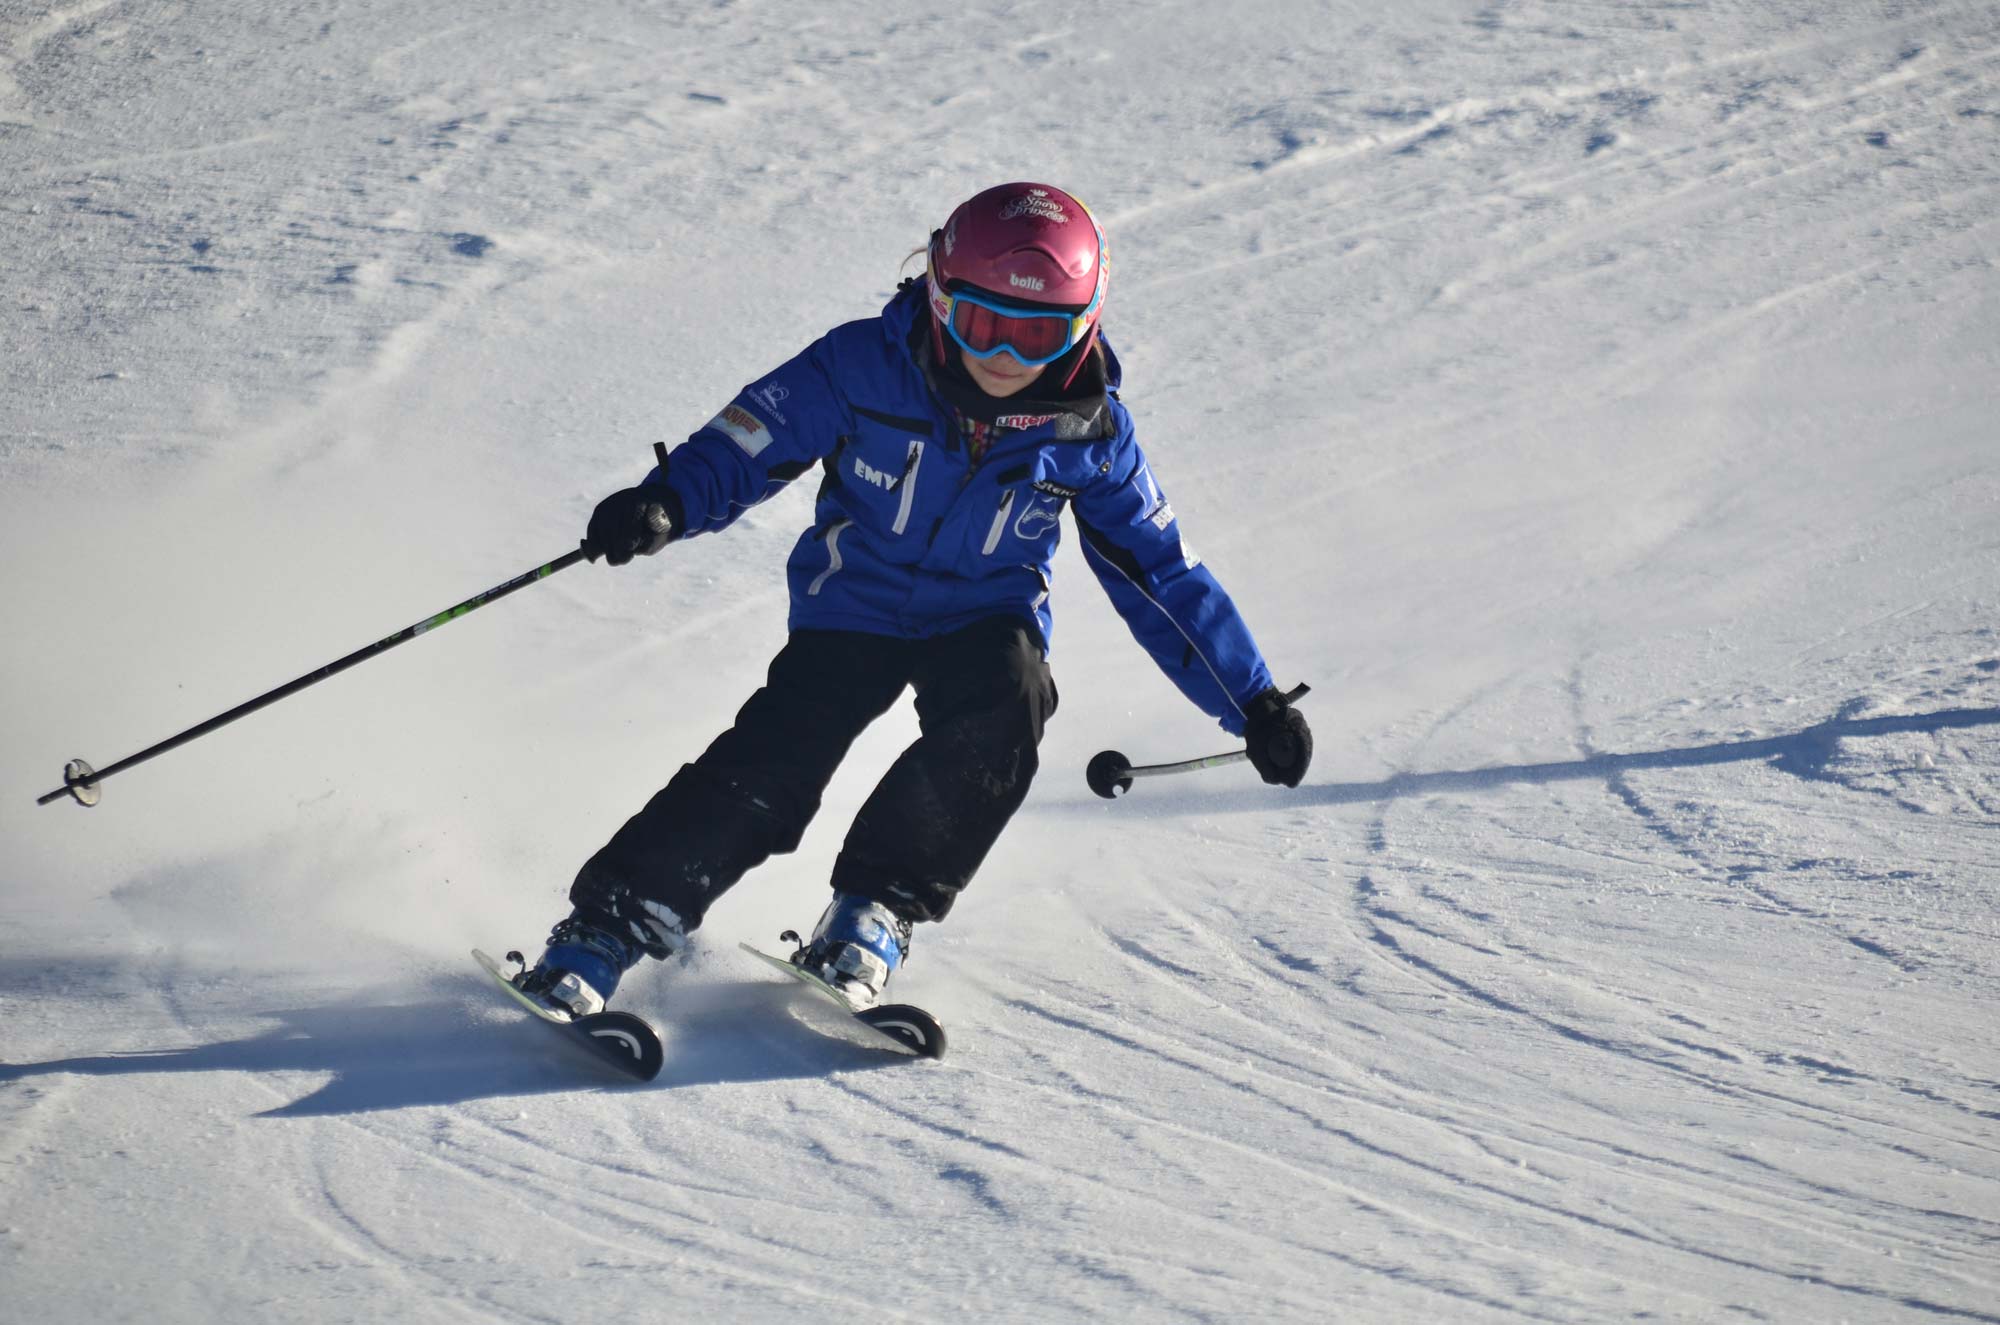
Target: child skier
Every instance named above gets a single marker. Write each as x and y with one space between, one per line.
952 430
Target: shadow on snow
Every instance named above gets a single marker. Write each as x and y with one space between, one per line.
401 1055
1804 754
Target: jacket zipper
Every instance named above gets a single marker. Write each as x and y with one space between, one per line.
999 522
832 557
908 482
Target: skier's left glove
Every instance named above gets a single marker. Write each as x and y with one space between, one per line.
1280 744
632 522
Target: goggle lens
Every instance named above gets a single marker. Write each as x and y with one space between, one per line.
985 330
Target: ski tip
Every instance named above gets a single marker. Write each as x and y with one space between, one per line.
624 1041
918 1031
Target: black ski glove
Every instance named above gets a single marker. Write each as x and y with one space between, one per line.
1280 743
634 522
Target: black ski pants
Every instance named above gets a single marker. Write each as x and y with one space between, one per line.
983 694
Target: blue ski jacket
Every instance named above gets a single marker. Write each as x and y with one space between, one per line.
912 538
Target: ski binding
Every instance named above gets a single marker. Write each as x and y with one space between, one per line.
897 1027
621 1041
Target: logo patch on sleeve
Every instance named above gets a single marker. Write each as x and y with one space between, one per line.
769 397
742 427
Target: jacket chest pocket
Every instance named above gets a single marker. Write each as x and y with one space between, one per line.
883 473
1028 510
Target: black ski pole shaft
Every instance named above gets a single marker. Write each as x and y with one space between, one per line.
1110 772
80 780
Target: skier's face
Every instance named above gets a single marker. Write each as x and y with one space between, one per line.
1002 375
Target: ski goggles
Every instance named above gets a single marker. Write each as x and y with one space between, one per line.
983 327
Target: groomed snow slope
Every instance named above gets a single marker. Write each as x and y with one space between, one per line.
1594 402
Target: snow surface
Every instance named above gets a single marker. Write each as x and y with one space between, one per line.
1595 402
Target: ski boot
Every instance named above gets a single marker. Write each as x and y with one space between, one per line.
580 969
856 947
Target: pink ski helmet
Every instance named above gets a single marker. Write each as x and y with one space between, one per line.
1022 268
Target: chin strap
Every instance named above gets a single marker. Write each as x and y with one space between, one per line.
1082 353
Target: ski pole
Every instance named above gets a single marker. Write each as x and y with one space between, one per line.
1110 772
80 780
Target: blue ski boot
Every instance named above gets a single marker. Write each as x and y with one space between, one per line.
580 969
856 947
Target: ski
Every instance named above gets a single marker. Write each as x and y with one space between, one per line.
621 1041
897 1027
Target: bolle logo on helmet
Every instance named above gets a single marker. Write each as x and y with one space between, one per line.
1035 202
1027 282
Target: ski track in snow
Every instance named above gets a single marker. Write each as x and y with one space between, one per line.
1593 402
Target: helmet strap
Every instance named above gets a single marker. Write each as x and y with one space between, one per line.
937 340
1082 355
